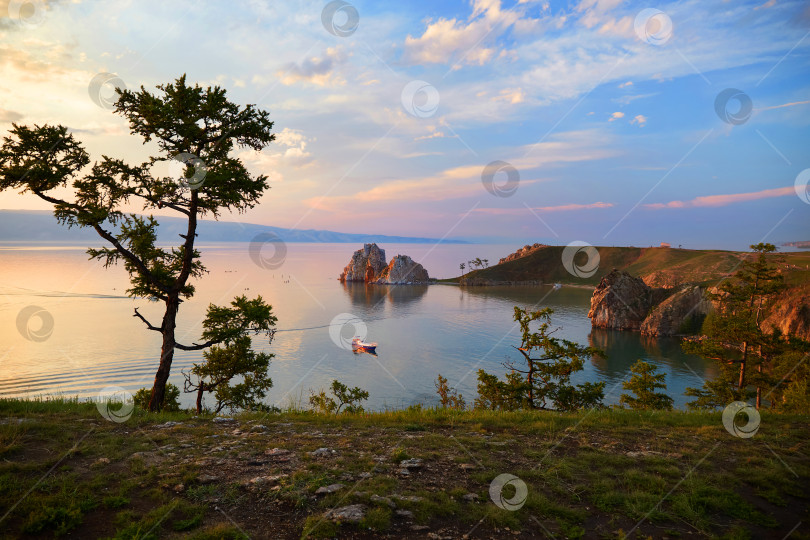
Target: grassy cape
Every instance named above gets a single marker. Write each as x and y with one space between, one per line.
661 266
65 469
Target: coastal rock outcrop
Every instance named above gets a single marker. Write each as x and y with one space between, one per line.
682 312
366 264
791 312
622 302
403 270
522 252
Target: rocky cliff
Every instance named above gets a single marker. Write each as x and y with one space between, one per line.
403 270
624 302
682 312
791 312
621 302
368 265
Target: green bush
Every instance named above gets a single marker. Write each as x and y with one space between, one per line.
349 398
171 399
644 383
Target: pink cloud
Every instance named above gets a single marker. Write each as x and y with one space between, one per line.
724 200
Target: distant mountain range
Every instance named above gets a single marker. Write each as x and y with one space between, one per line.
41 226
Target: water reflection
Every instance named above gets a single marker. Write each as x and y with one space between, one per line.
373 297
624 348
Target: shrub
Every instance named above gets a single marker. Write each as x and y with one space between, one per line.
349 398
171 399
449 397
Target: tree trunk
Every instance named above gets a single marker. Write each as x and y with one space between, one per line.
742 366
759 389
200 391
166 352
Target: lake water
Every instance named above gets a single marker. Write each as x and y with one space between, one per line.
95 342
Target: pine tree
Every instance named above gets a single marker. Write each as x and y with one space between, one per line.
543 382
644 383
734 336
199 128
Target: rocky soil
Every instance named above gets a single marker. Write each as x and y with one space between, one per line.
410 474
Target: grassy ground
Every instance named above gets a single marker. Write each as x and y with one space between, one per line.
658 266
66 470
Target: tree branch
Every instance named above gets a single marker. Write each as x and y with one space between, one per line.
131 257
149 325
195 346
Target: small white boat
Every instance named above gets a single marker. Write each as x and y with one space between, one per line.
359 344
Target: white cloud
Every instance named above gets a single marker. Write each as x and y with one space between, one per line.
318 71
270 160
445 38
465 180
639 119
615 116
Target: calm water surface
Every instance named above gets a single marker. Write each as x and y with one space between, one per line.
421 330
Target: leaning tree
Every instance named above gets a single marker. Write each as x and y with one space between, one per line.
196 129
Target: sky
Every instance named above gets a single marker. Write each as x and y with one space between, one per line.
602 121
